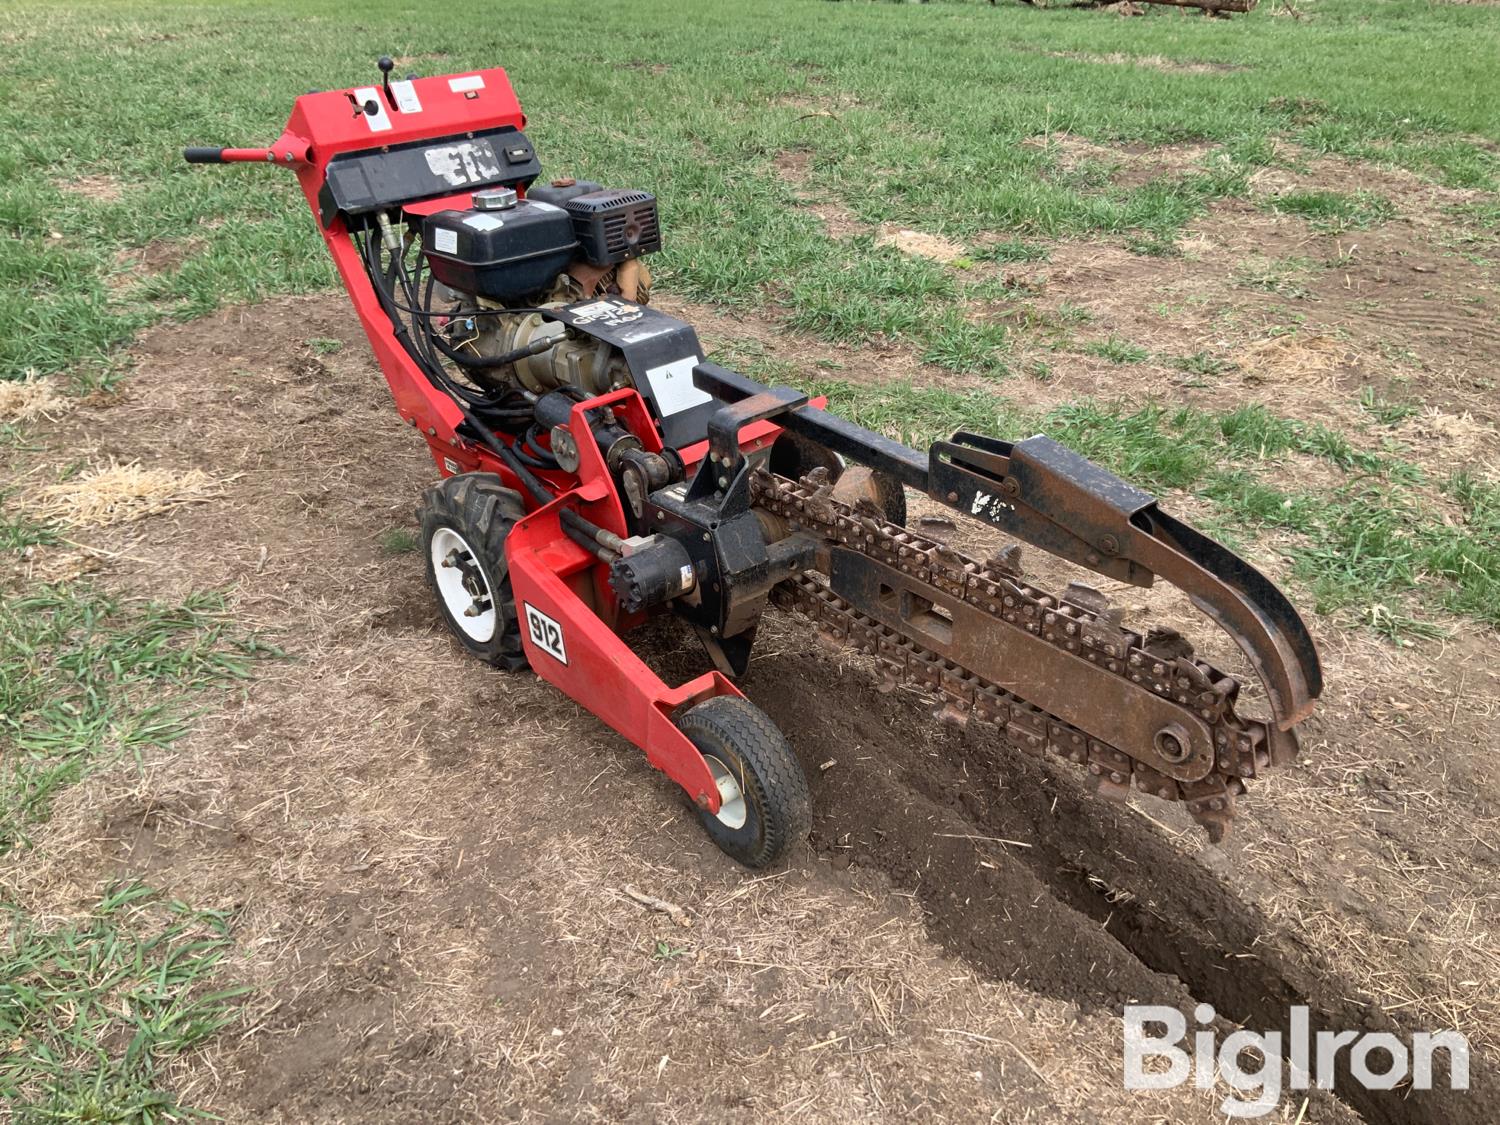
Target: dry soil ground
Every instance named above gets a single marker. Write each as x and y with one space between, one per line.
428 858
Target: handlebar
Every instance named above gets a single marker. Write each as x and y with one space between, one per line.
202 155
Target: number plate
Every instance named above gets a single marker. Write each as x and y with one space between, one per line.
546 634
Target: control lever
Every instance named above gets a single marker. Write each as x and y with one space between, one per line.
386 65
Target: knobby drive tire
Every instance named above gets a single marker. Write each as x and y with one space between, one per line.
740 743
465 520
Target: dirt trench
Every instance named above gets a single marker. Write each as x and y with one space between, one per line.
1012 859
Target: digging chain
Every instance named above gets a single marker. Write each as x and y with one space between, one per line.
1081 622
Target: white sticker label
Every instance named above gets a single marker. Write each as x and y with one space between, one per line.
546 634
987 506
378 121
406 97
484 222
467 82
585 313
538 205
451 465
611 313
468 162
445 241
672 386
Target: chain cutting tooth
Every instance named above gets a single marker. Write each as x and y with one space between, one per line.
951 714
1086 597
1159 785
1007 560
1211 802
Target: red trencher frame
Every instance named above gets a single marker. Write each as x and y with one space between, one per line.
549 573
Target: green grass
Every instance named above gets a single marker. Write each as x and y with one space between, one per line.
1385 411
91 1011
935 104
963 345
1252 502
1117 350
919 415
398 541
1014 250
948 120
86 678
1378 543
18 532
1336 212
1202 363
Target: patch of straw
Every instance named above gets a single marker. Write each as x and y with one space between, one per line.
115 493
1293 358
1458 436
34 396
920 244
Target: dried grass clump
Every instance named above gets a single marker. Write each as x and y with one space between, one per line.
116 493
1304 360
920 244
32 397
1458 436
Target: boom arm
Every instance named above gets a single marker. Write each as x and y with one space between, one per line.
1049 496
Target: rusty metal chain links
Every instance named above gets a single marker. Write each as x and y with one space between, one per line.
1080 622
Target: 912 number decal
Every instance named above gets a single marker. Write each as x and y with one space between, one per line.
546 634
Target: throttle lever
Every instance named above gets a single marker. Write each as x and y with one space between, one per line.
386 65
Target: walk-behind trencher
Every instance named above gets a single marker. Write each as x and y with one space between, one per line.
597 471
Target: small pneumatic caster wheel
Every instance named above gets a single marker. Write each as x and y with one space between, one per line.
765 806
465 520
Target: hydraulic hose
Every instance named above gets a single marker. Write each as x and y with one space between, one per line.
603 544
529 480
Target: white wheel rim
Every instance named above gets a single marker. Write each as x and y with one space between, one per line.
733 812
462 585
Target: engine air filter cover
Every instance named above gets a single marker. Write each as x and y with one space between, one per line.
615 225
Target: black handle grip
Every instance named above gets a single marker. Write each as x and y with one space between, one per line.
203 155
